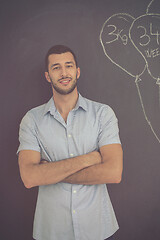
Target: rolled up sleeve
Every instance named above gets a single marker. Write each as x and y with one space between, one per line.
109 131
27 134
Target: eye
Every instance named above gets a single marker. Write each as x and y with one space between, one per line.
56 68
69 66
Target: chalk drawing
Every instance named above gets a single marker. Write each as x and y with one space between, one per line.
149 6
122 33
144 34
114 37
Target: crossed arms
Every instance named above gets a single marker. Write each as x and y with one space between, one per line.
95 167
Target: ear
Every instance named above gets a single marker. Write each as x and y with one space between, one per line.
78 72
47 77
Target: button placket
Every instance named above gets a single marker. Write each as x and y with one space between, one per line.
75 212
70 119
72 153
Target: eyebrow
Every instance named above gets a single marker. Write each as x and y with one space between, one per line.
70 62
57 64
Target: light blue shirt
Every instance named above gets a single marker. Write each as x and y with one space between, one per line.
63 210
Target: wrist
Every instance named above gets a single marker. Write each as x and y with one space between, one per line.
95 157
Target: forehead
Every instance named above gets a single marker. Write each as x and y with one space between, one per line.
61 58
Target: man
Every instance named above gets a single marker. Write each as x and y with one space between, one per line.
70 148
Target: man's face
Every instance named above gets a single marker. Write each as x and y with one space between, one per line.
62 73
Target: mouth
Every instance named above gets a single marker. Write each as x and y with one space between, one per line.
65 81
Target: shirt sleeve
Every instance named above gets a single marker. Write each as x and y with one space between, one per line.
27 134
109 131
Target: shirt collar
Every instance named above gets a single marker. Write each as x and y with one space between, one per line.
50 106
81 103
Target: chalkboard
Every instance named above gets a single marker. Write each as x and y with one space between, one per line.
117 43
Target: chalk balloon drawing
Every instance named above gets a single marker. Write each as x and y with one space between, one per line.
153 7
145 36
117 45
133 44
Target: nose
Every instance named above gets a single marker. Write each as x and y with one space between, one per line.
63 72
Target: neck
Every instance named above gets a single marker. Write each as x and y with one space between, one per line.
65 103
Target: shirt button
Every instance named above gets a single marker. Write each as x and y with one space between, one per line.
74 191
74 211
69 135
71 154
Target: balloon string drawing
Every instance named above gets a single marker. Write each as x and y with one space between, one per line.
133 44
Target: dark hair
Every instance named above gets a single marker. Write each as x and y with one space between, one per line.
58 49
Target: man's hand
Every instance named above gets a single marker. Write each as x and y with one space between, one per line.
109 170
95 157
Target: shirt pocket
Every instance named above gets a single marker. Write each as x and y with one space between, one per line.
86 137
52 142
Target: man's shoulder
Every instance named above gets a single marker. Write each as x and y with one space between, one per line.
99 110
37 112
98 106
39 108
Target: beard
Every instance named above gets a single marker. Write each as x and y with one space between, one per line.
64 91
